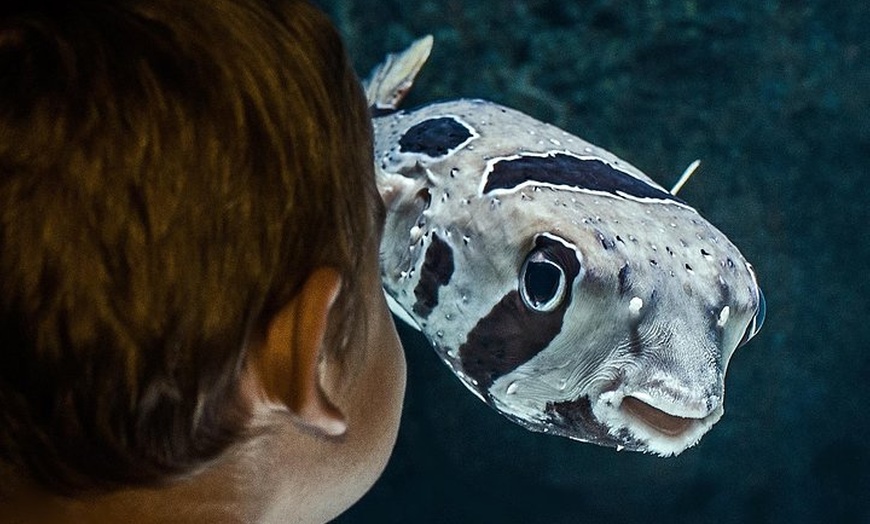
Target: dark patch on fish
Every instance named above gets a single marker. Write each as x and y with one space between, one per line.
436 272
569 415
434 137
635 344
569 171
623 277
511 334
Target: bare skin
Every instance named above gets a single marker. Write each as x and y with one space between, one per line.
322 437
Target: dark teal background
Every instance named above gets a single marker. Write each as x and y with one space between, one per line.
773 98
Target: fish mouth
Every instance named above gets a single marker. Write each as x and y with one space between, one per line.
658 413
660 420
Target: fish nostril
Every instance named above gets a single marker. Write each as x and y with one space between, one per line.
666 423
423 199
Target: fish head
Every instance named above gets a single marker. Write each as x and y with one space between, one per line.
561 285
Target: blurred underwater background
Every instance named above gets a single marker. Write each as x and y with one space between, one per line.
773 97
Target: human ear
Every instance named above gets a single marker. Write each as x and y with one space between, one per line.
288 361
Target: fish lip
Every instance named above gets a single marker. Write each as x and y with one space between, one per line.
660 420
677 403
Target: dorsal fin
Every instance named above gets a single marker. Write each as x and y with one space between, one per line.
390 81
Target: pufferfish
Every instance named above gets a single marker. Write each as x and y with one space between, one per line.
564 287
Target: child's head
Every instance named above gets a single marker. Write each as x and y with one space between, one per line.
184 189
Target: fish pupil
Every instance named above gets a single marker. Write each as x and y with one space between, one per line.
542 282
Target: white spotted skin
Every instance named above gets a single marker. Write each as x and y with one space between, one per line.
660 338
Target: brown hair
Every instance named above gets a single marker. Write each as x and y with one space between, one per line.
170 173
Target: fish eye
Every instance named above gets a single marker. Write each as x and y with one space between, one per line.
542 282
757 321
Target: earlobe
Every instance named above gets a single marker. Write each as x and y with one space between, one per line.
288 361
